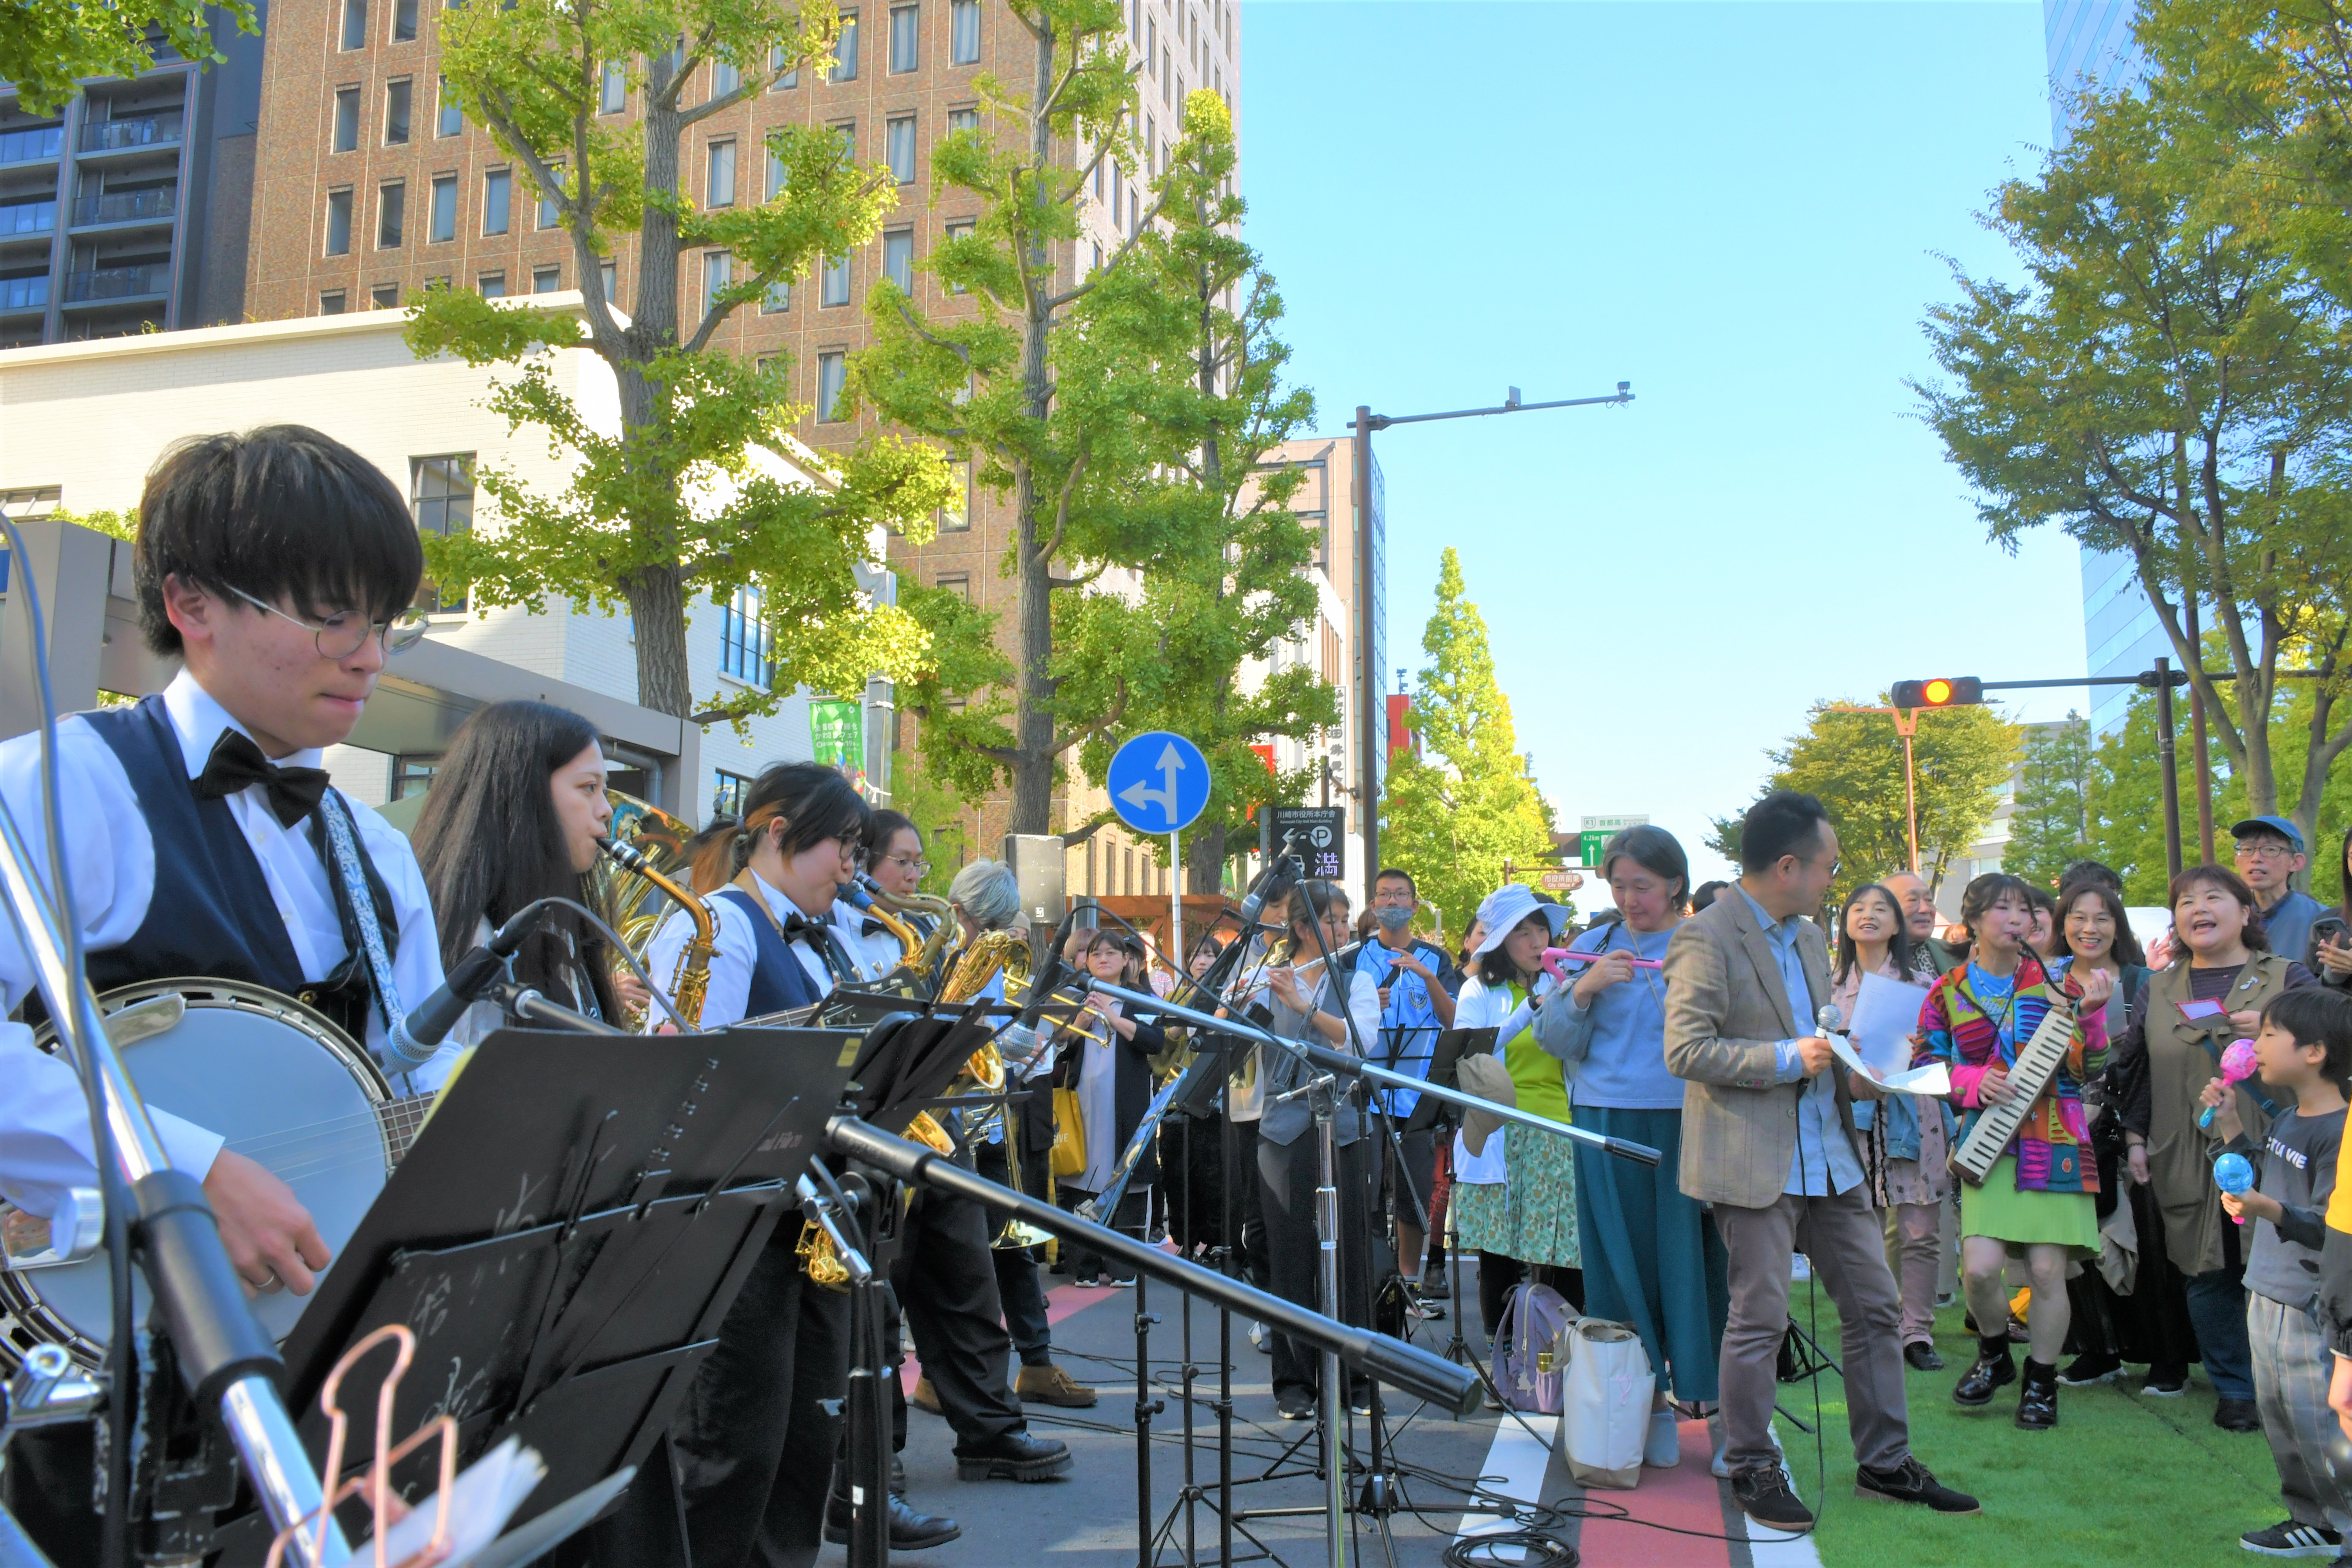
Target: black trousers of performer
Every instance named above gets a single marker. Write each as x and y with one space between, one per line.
1134 1213
752 1443
1018 1288
1289 1173
945 1280
1252 1206
50 1477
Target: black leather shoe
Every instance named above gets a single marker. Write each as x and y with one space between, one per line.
1011 1457
909 1530
2037 1398
1921 1356
1993 1370
1764 1495
2237 1416
1912 1482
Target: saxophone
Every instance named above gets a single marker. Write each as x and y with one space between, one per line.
691 980
983 1071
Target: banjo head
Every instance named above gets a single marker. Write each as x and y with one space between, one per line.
284 1086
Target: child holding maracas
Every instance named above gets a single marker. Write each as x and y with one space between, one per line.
2304 1050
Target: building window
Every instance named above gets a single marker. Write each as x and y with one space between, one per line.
609 276
779 175
743 648
964 120
404 21
727 794
724 79
330 303
847 131
844 50
898 147
963 32
785 79
549 216
453 119
546 279
347 120
441 495
614 95
497 193
832 373
898 259
903 35
719 185
413 776
391 209
338 222
836 286
396 112
718 272
445 209
957 583
355 24
777 300
386 296
963 230
957 519
493 285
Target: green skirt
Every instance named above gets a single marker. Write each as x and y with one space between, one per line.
1532 1215
1998 1211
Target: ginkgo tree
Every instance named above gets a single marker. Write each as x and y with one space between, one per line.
685 496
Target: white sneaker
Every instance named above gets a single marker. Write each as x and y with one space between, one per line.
1662 1446
1261 1338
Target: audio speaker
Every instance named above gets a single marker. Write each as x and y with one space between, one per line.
1039 863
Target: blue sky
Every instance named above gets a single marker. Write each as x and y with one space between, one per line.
1743 209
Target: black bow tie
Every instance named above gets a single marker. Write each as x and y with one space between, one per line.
237 764
798 924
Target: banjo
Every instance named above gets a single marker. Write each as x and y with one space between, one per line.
284 1086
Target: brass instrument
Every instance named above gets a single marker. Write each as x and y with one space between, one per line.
920 963
691 980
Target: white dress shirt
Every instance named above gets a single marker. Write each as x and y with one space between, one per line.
875 954
44 1124
728 996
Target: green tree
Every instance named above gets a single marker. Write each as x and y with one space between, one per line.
1466 805
2170 383
1221 606
1853 763
683 498
48 46
2050 824
1070 396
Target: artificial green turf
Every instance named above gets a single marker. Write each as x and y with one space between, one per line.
2123 1479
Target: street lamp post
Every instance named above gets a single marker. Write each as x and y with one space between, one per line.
1368 680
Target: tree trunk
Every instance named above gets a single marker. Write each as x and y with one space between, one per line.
1032 770
657 596
1205 860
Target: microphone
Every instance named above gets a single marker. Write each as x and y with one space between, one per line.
2237 1064
1829 1018
1256 899
416 1037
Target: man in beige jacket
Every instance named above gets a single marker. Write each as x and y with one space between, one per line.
1767 1140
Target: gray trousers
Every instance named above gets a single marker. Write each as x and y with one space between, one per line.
1845 1238
2290 1370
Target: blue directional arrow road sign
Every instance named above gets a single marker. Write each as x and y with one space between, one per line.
1159 783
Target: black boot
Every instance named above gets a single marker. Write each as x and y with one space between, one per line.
909 1530
2037 1400
1993 1370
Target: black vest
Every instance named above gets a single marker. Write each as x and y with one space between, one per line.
212 913
778 981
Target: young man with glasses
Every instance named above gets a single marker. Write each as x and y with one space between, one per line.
2270 856
277 566
1403 994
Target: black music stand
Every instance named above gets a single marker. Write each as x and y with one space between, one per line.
564 1237
1445 1059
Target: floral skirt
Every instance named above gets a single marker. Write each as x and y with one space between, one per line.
1531 1216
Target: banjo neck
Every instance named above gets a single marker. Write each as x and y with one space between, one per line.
402 1120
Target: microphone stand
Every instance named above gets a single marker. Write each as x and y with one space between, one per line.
225 1359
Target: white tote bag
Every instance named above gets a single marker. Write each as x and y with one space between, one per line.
1604 1408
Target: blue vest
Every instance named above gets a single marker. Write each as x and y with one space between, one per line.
1408 1034
212 913
778 981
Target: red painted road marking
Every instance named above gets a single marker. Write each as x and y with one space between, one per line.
1062 1303
1687 1497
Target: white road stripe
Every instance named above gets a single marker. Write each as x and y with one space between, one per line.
1514 1468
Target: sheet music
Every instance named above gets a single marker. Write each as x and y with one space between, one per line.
1933 1079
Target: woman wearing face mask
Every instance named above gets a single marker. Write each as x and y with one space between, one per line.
1907 1138
2186 1017
1652 1258
2036 1201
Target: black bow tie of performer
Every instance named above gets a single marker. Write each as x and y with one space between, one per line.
237 763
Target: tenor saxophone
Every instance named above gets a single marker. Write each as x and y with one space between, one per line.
690 982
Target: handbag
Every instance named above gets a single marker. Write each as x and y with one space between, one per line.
1604 1408
1069 1156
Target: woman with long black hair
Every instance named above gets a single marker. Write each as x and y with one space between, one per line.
514 817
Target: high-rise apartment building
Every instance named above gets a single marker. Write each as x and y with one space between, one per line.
2090 41
126 211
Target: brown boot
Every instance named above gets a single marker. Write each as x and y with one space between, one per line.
1051 1385
925 1397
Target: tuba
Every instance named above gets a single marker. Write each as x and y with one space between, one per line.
691 980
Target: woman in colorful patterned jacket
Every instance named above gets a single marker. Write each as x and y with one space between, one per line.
2036 1202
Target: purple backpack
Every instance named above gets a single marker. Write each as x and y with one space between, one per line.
1530 1355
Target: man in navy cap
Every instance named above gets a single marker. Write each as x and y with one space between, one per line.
2270 853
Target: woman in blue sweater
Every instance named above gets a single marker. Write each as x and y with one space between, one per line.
1651 1256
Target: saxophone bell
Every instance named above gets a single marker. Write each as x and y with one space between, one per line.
690 982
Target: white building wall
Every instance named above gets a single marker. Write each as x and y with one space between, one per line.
91 419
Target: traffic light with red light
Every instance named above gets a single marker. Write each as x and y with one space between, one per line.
1942 691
